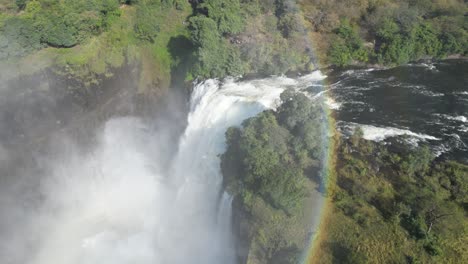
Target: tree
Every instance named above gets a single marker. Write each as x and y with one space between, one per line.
215 57
147 24
269 154
433 216
21 3
347 45
204 31
397 50
339 53
19 37
57 33
226 14
426 41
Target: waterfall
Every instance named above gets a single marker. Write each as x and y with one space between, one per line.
214 107
126 201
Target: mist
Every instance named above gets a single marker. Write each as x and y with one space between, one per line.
81 176
95 186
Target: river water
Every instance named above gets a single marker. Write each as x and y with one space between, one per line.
426 102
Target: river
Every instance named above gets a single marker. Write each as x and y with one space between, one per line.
133 196
426 102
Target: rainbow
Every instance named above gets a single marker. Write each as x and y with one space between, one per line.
323 209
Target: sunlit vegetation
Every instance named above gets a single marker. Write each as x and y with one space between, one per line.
54 23
215 57
389 203
88 39
234 37
270 166
274 40
395 205
393 31
347 46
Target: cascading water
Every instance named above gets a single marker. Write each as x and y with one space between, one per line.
199 209
122 204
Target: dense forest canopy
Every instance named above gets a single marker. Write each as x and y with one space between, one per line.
236 37
391 32
271 152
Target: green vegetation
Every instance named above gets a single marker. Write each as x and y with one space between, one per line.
217 38
392 204
215 57
389 203
348 45
394 31
89 38
54 23
270 166
247 37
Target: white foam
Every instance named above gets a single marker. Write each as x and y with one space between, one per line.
429 66
420 89
460 118
348 72
355 103
332 104
381 133
313 77
431 94
318 95
441 149
357 72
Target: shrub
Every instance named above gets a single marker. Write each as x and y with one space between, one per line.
226 14
339 53
397 50
57 33
147 23
215 57
426 42
21 3
55 23
19 37
347 45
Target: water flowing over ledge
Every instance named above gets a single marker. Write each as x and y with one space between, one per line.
123 202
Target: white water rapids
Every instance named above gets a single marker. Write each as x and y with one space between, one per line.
120 203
